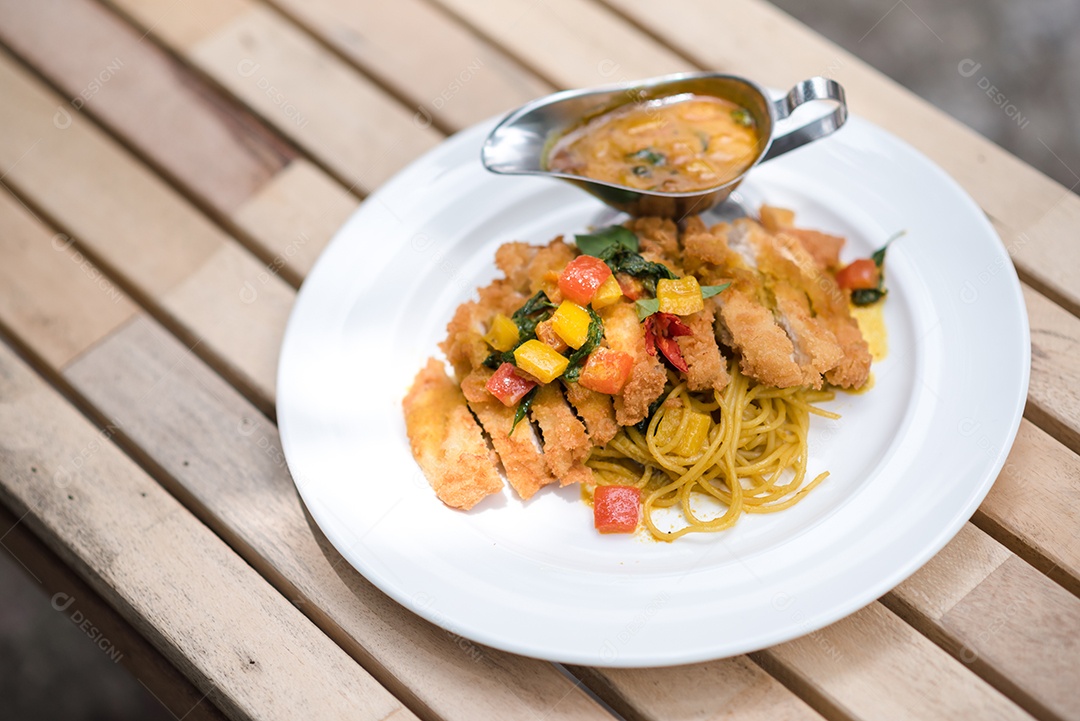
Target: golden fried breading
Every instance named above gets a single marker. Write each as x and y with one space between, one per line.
464 345
566 444
706 366
822 247
596 409
659 241
543 271
513 260
519 452
446 440
623 332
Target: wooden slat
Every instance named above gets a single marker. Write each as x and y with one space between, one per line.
873 665
218 153
734 688
436 65
228 459
302 89
1040 215
200 604
50 292
149 239
1002 616
71 596
1054 395
1034 506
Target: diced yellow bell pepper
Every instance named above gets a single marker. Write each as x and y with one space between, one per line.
695 436
571 323
680 297
503 333
608 292
540 360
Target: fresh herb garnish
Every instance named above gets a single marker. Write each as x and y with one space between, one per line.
869 296
649 155
742 117
534 312
646 307
523 407
578 357
613 236
708 291
704 138
631 263
641 171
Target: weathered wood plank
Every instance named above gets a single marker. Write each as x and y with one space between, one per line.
873 665
155 103
1034 506
104 627
50 292
228 459
1004 617
146 237
439 67
343 119
200 604
1054 392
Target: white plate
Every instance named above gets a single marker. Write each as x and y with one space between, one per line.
910 460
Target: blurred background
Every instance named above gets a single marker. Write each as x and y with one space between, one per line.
1009 70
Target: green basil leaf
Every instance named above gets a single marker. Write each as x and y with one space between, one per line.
643 424
592 342
708 291
867 296
609 239
879 255
523 408
649 155
742 117
646 307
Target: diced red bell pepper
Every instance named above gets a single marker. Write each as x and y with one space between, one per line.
606 370
859 275
509 387
616 509
582 277
661 330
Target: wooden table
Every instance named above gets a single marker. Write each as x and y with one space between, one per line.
173 168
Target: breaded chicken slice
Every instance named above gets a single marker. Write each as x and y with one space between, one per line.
464 345
830 306
658 239
519 452
513 260
544 269
706 366
824 248
566 444
596 409
816 348
744 318
623 332
447 441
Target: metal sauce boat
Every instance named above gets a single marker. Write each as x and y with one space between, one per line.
518 144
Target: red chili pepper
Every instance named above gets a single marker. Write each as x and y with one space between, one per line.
661 330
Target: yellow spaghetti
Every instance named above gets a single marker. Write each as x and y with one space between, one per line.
745 447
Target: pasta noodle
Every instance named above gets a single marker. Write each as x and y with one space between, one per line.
752 458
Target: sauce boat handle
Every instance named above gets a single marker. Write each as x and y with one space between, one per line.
811 89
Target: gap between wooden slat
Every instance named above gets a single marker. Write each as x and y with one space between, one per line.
153 308
222 91
329 47
264 254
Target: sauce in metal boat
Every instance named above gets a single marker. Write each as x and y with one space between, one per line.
684 143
